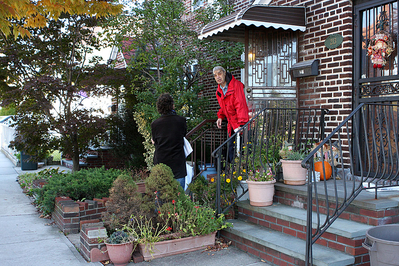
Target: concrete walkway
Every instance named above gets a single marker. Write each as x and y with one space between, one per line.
28 240
25 238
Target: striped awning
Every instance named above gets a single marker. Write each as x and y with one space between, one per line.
232 27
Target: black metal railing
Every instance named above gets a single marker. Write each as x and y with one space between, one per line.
361 153
205 138
256 146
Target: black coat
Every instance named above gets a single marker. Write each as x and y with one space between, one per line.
167 133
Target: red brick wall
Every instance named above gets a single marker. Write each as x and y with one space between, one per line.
208 81
332 88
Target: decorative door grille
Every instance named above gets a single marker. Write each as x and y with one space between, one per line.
270 54
375 83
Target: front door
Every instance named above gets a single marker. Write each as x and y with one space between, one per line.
376 82
270 54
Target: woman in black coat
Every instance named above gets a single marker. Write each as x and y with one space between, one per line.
168 132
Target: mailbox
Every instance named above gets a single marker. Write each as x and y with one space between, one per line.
305 69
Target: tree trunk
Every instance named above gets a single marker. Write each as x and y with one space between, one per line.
75 155
75 163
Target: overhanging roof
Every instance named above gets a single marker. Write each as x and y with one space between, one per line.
232 27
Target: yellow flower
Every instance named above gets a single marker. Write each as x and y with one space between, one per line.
223 174
212 179
234 173
239 178
228 180
244 170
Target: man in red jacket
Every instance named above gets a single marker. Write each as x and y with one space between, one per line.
233 105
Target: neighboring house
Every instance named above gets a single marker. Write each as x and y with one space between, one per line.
5 119
6 135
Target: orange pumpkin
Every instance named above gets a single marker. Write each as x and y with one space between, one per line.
318 166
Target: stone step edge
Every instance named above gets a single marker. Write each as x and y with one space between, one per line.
288 245
341 227
382 203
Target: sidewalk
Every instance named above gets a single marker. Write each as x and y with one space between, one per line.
28 240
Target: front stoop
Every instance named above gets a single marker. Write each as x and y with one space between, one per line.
279 248
364 209
277 234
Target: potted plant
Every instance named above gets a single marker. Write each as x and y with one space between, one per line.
255 164
261 187
293 173
120 247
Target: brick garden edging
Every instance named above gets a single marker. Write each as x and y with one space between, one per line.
68 213
92 246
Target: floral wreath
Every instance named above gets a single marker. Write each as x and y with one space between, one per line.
380 46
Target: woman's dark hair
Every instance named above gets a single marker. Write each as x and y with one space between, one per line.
165 104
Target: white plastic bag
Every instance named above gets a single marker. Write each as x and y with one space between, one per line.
189 176
187 147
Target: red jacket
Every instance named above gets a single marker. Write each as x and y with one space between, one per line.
233 105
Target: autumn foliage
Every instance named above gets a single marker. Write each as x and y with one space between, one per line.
35 14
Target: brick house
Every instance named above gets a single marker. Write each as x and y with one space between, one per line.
333 54
312 54
290 41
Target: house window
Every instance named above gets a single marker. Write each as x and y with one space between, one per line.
270 56
197 4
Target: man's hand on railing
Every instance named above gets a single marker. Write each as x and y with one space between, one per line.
219 123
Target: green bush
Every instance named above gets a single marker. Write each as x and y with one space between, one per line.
160 188
27 180
124 200
84 184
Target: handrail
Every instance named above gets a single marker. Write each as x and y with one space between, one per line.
240 131
204 138
259 143
363 153
200 126
315 150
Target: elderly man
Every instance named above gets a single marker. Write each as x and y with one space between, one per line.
233 105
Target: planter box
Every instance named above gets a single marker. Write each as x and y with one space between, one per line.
176 246
140 186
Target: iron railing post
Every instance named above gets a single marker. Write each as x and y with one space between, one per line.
309 223
218 170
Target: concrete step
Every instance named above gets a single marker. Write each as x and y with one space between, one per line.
278 248
364 209
343 235
296 217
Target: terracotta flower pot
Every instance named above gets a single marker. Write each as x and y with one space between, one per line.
293 173
176 246
261 193
120 254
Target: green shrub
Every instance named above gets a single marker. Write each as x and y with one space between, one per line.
27 180
124 200
160 188
84 184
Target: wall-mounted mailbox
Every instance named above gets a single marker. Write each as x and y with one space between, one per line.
305 69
